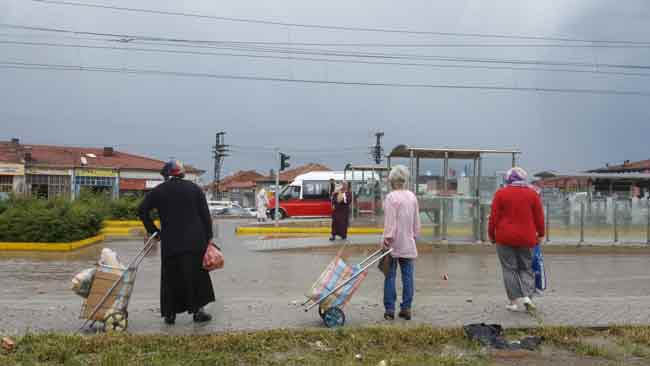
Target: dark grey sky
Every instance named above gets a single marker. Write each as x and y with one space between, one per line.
166 116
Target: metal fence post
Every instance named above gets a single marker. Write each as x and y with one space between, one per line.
477 220
615 212
582 223
548 222
483 222
648 224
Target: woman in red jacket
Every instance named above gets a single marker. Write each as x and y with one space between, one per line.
516 226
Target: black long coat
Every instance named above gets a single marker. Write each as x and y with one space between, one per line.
184 217
341 215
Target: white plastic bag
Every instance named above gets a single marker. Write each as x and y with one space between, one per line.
82 281
109 258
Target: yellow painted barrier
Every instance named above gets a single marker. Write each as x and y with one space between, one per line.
126 223
52 247
303 230
260 230
122 232
124 228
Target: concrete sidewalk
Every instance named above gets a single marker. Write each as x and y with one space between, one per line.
261 289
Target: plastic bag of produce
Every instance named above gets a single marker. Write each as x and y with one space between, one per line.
82 281
109 258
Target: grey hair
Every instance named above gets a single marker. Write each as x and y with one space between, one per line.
398 176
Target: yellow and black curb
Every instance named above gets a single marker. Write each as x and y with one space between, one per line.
111 229
123 228
52 247
261 230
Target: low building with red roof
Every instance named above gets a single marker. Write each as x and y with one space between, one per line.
50 170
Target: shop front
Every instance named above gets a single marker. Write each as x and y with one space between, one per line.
97 181
11 176
48 183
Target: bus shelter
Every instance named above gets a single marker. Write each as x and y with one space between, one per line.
367 192
443 205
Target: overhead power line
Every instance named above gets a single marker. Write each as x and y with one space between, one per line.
122 37
326 60
406 56
352 44
61 67
126 38
301 150
334 27
335 54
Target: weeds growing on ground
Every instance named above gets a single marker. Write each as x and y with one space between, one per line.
343 346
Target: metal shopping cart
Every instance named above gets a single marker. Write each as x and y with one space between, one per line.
336 285
110 293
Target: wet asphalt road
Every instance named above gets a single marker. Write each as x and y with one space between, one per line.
260 289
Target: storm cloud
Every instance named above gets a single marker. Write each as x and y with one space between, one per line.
174 116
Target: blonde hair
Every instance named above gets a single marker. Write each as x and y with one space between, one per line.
398 176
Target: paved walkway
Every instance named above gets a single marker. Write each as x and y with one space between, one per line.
260 289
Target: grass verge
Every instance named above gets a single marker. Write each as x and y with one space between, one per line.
344 346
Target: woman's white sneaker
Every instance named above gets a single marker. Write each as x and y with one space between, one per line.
512 307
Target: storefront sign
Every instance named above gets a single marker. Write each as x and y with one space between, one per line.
150 184
12 169
46 171
96 173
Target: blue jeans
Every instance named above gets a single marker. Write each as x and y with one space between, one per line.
407 266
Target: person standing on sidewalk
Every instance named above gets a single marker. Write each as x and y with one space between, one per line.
401 228
341 200
262 205
185 233
516 226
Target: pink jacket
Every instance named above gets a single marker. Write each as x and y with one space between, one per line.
402 223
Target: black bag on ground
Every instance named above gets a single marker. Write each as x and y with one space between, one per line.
491 335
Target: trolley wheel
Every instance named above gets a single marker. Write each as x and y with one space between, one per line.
334 317
116 321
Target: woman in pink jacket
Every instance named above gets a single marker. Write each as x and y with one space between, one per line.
401 227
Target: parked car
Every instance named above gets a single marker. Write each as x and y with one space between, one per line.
235 212
216 207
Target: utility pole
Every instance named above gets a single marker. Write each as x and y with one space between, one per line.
219 151
276 212
377 151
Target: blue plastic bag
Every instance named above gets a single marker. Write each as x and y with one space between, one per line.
538 268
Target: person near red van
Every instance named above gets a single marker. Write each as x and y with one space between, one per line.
516 226
341 214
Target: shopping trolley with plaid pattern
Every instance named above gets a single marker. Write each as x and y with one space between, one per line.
336 285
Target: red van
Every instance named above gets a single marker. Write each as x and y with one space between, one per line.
307 196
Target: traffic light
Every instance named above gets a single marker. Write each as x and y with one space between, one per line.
284 161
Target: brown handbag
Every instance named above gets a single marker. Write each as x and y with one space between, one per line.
384 264
213 258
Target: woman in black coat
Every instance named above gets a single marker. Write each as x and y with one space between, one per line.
186 231
341 200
